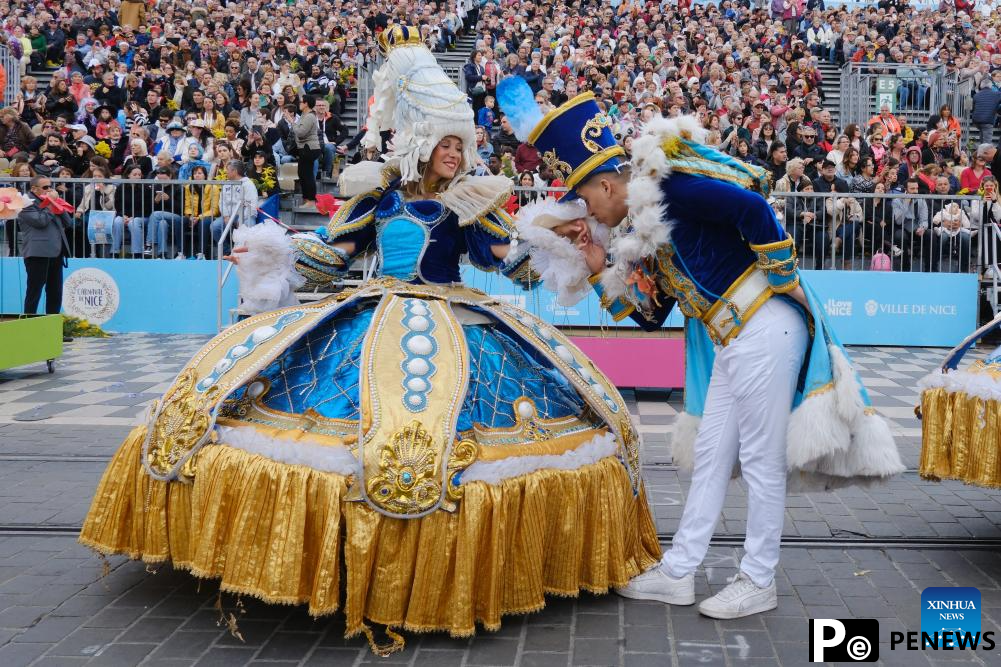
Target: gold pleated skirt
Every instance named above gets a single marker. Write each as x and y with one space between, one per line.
960 438
285 533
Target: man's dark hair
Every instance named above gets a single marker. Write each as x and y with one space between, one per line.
36 181
914 181
309 100
774 147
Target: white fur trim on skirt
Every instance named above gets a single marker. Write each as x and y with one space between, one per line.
494 472
324 458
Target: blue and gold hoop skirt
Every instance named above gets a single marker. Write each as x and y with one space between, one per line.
454 457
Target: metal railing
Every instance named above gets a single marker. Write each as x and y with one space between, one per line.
142 218
223 268
959 97
837 231
916 90
364 87
992 270
12 68
886 232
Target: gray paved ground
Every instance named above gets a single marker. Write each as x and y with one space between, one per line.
56 609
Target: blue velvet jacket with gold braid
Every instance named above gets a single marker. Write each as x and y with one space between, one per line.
719 233
419 241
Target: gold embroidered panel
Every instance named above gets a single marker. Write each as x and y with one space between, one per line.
183 421
414 379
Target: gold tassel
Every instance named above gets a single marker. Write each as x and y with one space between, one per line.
396 642
105 569
228 620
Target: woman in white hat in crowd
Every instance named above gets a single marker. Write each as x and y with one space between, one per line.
173 142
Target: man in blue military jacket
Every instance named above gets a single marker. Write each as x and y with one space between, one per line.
767 384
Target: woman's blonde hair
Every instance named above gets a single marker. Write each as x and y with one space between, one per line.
792 164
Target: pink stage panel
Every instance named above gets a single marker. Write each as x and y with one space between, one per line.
638 362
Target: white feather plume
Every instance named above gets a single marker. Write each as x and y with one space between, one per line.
266 272
421 104
558 262
649 226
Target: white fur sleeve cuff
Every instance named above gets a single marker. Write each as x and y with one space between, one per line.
559 264
266 272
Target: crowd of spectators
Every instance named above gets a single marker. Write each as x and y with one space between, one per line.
171 89
751 74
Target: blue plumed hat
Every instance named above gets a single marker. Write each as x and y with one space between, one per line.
575 140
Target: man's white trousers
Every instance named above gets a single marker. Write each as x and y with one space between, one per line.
746 414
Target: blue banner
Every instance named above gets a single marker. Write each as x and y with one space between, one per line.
132 295
864 307
179 296
895 308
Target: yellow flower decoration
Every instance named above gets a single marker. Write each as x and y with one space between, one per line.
103 149
218 134
80 328
172 105
267 179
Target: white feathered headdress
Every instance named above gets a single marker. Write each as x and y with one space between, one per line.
414 97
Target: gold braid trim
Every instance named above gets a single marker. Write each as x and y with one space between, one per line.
775 245
779 267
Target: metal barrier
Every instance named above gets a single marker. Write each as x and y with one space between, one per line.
991 245
143 218
913 91
959 97
364 87
12 68
845 231
883 232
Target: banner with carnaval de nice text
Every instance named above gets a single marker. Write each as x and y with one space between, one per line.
174 297
132 295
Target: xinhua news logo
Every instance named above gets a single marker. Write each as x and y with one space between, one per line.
844 640
950 621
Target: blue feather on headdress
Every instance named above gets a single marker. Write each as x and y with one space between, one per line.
518 104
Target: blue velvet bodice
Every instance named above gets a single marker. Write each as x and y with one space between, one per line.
713 223
421 241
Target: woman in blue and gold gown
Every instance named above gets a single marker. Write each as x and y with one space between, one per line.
430 456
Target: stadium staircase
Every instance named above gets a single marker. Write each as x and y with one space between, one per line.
830 88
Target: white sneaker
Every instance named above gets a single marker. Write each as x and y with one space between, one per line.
655 584
741 598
